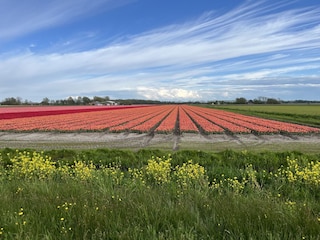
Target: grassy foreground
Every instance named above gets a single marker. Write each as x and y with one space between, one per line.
113 194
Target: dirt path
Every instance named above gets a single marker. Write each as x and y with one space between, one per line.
215 142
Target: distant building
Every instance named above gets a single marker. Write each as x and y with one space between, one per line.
96 103
106 103
110 103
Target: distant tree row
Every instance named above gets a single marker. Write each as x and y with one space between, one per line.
47 101
96 100
14 101
259 100
104 100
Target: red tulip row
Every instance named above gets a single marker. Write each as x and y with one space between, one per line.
161 118
21 112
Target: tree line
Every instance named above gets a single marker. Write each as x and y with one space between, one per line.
106 100
266 100
70 101
259 100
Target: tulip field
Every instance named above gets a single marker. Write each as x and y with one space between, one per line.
175 119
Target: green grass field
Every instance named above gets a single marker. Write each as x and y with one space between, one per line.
302 114
282 109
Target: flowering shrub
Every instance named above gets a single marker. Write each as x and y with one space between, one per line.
83 171
158 170
308 174
190 174
36 165
29 165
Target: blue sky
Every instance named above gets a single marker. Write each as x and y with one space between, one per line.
160 49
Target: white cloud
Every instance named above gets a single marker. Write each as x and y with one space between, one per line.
167 94
225 94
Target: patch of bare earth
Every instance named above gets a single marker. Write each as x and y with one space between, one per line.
135 141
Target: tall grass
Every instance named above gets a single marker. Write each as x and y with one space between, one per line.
186 195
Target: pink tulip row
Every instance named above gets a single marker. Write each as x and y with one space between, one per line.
169 123
185 122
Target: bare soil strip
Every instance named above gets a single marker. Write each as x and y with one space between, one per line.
136 141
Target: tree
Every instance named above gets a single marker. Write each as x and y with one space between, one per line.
79 100
272 101
241 100
98 99
257 101
45 101
19 100
86 100
262 99
70 101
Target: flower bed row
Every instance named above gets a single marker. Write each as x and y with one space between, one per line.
185 122
169 123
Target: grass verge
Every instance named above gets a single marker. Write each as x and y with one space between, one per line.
152 194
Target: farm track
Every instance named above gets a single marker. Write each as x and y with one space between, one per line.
136 141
